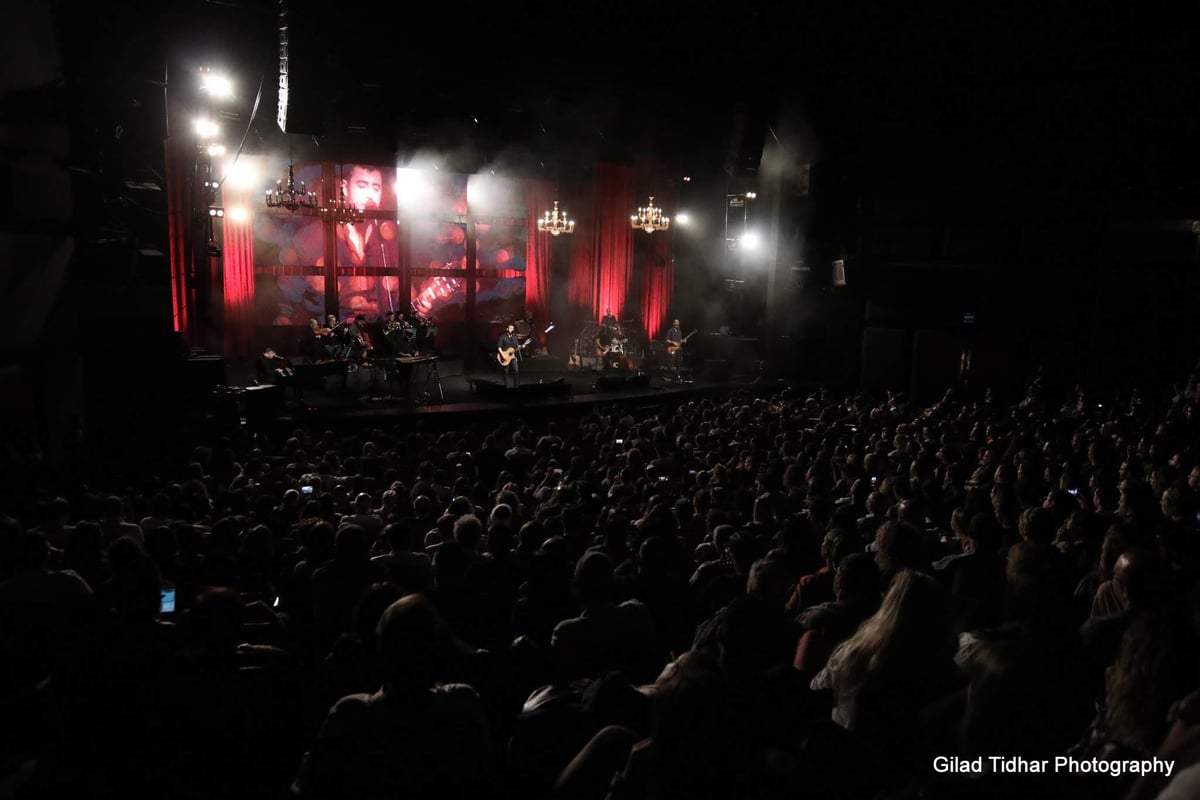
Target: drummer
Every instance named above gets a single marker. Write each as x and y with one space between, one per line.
524 327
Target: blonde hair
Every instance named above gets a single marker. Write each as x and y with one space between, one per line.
908 630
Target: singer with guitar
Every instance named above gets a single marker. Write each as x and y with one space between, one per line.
508 355
675 342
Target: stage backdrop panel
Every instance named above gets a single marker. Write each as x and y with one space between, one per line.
288 299
499 298
443 296
369 295
500 245
287 240
439 245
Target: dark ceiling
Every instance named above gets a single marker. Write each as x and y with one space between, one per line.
1051 110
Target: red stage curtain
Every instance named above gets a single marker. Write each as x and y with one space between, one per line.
540 198
658 283
178 218
614 238
238 273
602 252
658 273
581 281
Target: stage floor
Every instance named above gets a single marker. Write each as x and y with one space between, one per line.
373 395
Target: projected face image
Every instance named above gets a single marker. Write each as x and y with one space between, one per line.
364 187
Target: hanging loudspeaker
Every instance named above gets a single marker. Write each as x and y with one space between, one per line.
839 273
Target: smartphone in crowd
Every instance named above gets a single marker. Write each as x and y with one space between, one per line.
306 490
166 596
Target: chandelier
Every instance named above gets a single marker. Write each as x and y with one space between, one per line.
554 224
650 219
341 211
287 195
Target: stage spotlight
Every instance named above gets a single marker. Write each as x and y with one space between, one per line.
216 149
239 214
682 218
241 174
216 211
216 85
686 179
213 248
206 128
751 195
750 240
409 185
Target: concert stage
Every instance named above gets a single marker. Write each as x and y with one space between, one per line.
377 395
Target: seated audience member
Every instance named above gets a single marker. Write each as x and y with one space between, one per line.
411 572
369 745
606 635
858 589
894 665
553 581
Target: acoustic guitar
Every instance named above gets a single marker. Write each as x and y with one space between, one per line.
673 348
506 356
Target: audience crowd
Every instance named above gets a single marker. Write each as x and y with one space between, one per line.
758 596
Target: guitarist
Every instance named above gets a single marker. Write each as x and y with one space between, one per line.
510 346
675 347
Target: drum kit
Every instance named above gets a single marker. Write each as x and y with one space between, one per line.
612 344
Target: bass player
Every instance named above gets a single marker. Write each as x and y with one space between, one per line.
675 342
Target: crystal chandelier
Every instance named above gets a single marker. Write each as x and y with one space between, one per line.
554 224
288 195
650 219
341 211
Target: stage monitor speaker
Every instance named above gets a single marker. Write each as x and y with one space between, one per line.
640 380
839 273
610 383
498 393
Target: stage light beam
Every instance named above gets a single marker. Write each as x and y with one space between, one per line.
751 241
205 128
216 85
242 174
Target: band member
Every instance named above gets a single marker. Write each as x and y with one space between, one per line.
274 369
359 338
525 327
508 340
609 321
310 341
675 340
